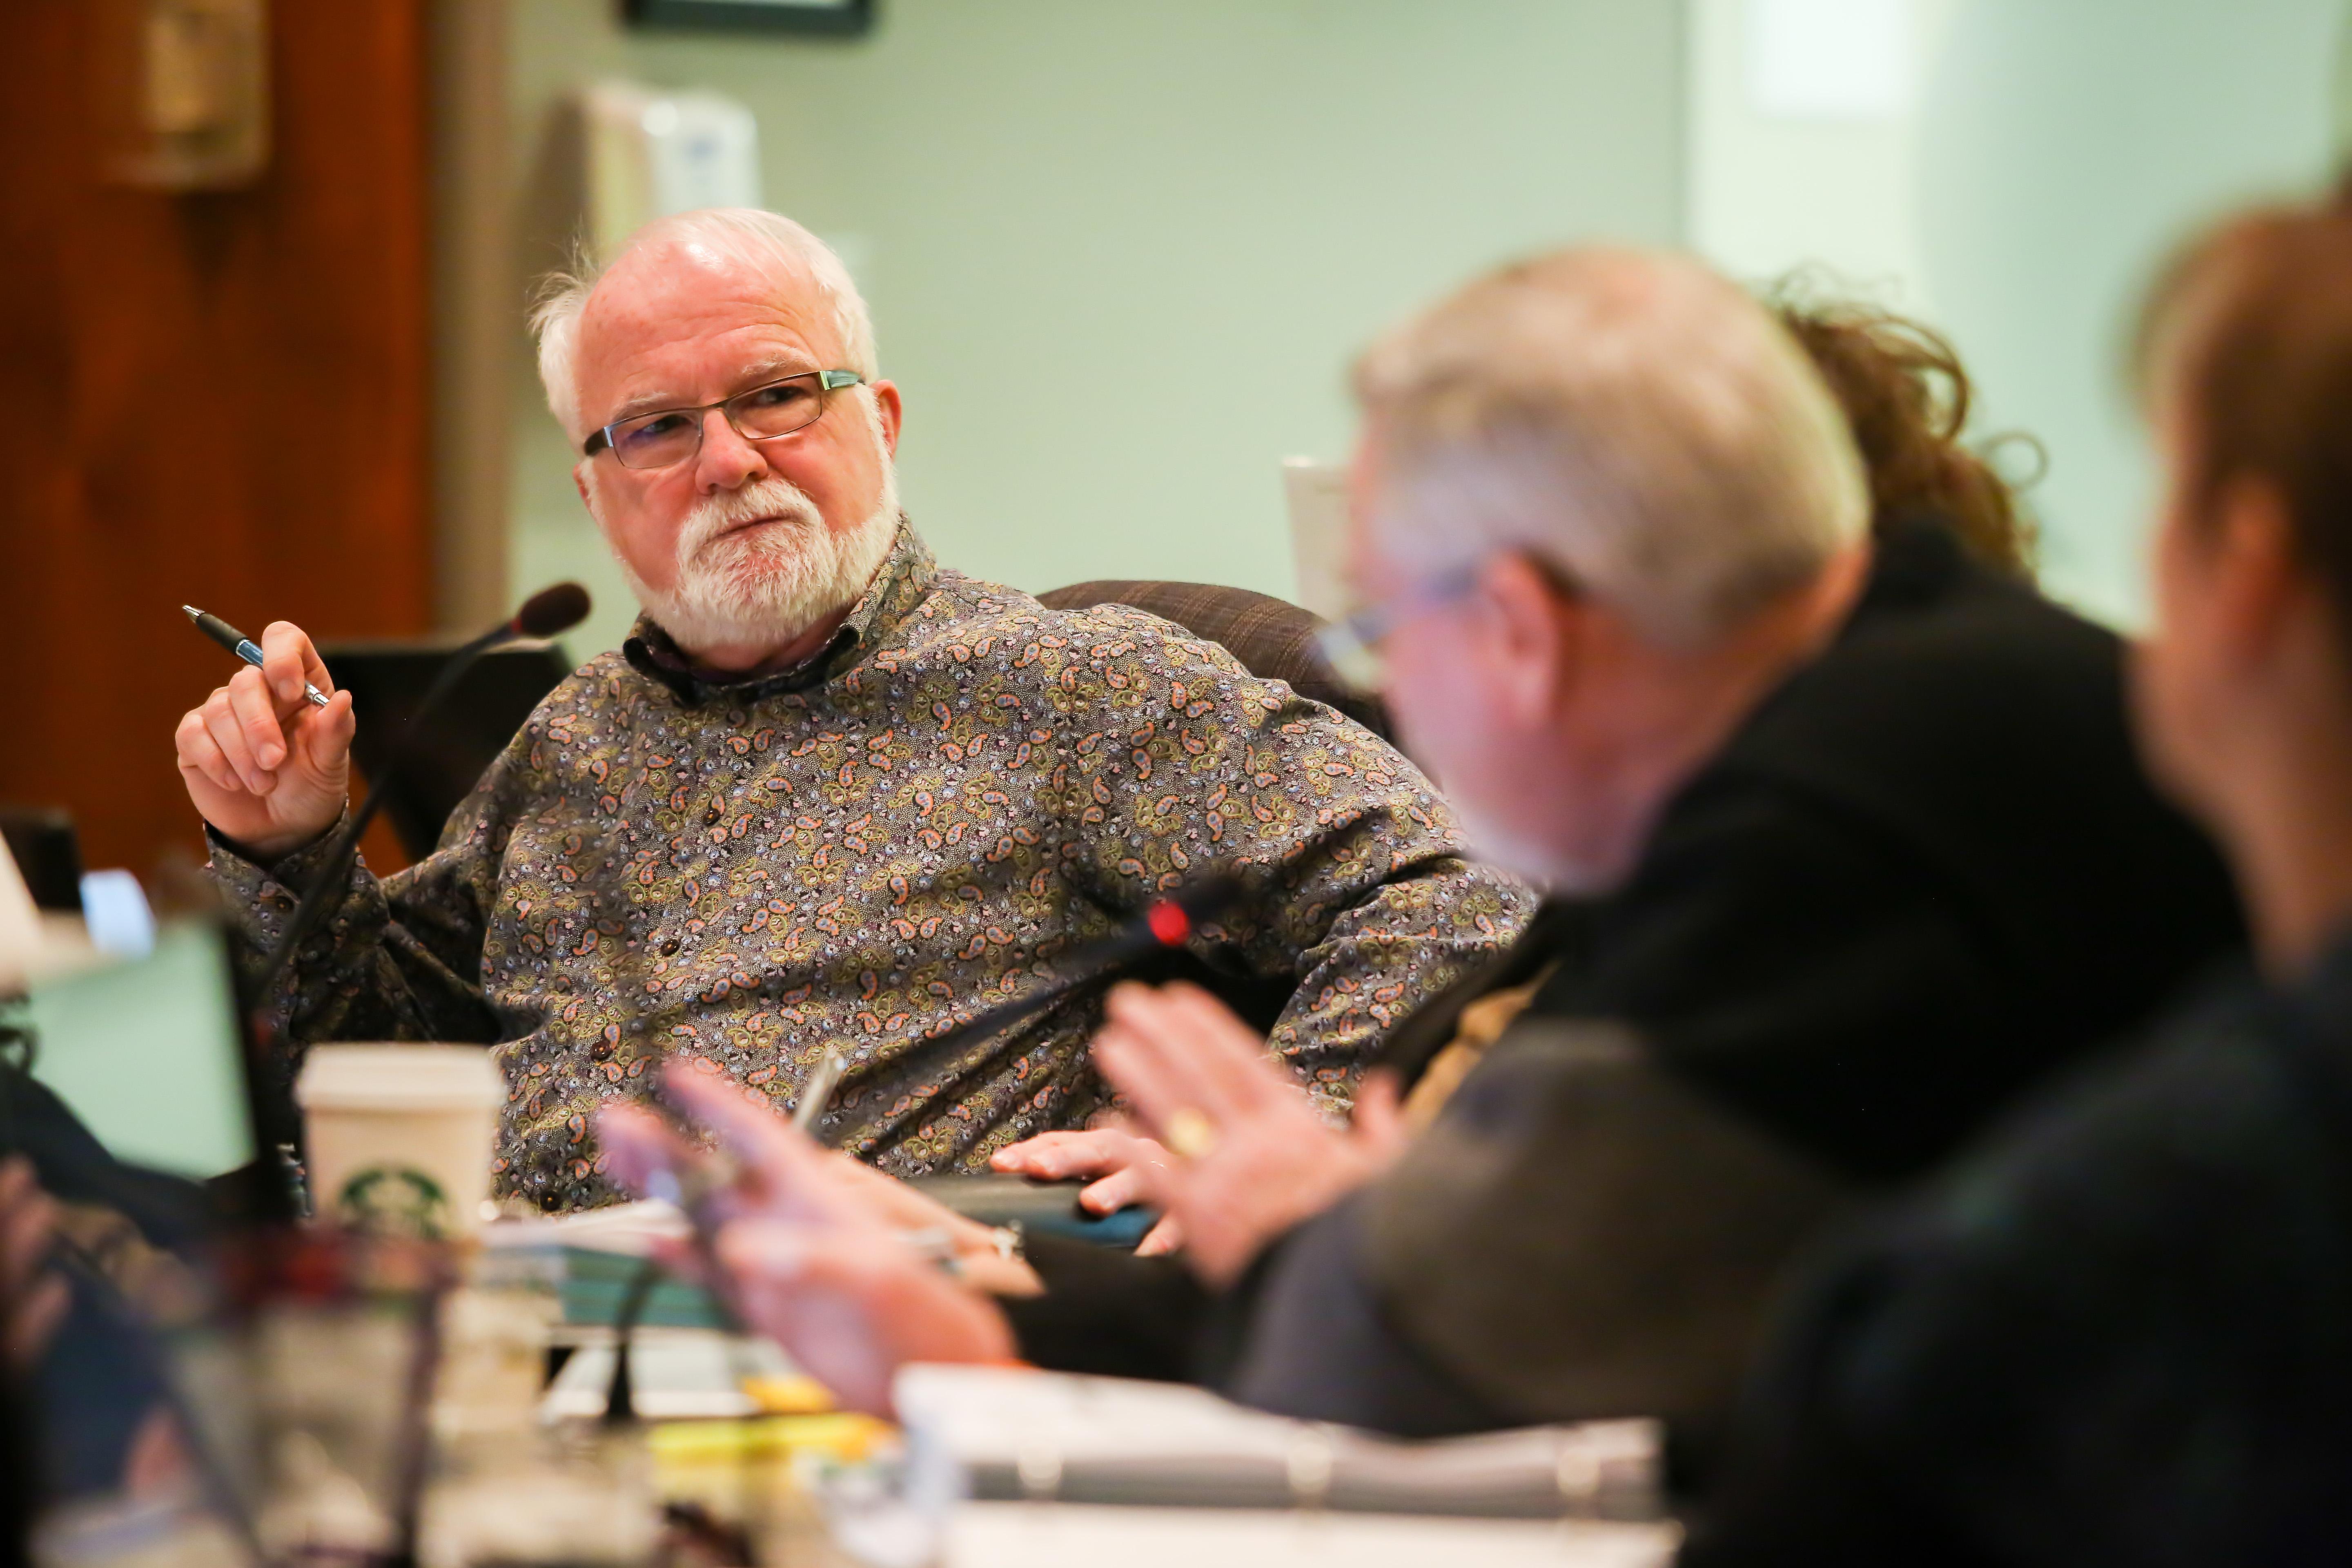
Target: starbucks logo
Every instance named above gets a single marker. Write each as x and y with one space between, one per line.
393 1199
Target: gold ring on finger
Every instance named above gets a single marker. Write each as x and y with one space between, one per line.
1191 1134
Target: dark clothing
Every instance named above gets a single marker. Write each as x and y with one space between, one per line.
1109 1313
1925 872
78 1413
2121 1334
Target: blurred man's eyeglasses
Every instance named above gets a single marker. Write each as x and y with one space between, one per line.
669 436
1353 646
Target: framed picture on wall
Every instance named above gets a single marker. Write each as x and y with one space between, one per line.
837 18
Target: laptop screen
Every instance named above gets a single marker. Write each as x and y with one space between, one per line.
149 1055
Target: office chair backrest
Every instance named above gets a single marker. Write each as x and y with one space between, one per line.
476 721
1273 638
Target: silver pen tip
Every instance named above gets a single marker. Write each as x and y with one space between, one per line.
191 612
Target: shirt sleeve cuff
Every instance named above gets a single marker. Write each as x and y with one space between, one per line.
267 892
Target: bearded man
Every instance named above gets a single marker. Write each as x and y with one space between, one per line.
828 795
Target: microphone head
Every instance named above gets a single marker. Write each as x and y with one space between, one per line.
1207 897
551 610
1172 919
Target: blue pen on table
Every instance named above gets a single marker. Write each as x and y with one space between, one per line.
244 647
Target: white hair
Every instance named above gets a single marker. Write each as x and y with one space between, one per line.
1631 418
748 234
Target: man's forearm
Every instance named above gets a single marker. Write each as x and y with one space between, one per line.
357 976
1401 943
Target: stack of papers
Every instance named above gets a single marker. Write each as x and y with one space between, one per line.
1008 1433
1019 1535
599 1254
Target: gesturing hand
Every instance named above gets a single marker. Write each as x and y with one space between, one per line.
1108 1160
810 1245
262 764
33 1301
1244 1156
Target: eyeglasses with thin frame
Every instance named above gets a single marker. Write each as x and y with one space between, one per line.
669 436
1353 646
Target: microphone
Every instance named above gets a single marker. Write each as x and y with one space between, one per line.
544 615
1164 923
1168 921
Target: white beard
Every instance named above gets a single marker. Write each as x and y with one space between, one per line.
768 585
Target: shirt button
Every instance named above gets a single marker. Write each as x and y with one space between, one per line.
710 815
670 947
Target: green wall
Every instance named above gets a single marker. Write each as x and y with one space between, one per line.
1121 253
2064 148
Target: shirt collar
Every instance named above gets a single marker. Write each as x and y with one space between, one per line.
902 581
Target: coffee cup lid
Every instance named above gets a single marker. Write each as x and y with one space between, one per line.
398 1077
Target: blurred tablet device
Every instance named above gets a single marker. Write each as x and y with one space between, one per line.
1051 1207
150 1054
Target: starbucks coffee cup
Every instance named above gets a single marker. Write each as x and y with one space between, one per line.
399 1136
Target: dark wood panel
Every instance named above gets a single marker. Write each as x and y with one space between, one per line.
215 398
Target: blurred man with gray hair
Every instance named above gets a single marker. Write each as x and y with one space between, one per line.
1847 846
830 796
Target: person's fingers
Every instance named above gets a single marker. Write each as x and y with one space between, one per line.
1151 1176
681 1258
1056 1157
1222 1059
746 1122
228 735
33 1320
1159 1051
289 662
25 1235
33 1302
199 755
784 1172
158 1459
1039 1156
256 714
638 1144
326 737
1215 1021
1161 1240
1224 1050
1379 1122
1113 1193
882 1199
1154 1090
853 1307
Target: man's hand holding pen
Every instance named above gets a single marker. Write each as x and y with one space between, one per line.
268 769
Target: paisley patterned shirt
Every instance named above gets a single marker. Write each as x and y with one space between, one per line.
917 824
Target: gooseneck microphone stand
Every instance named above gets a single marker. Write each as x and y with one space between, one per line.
544 615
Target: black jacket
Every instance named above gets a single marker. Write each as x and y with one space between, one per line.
1924 873
2121 1333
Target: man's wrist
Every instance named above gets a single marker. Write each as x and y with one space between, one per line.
270 853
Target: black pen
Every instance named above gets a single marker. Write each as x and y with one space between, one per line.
244 647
